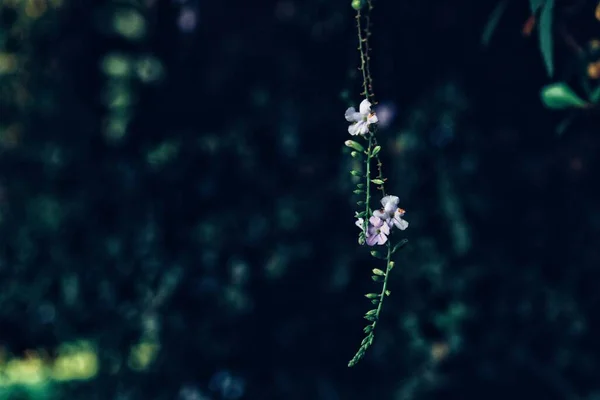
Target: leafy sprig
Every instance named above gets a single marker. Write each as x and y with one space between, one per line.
375 225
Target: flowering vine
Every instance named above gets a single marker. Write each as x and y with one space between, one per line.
377 227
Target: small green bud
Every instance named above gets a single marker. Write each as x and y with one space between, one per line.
375 151
387 292
357 4
355 154
358 191
377 181
354 145
371 295
391 265
355 173
379 272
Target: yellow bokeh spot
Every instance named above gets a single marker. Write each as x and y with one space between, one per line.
8 63
35 8
142 355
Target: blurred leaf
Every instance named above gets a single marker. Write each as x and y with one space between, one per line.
492 23
534 5
546 44
564 125
595 95
400 245
561 96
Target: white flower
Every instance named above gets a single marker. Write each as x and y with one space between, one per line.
390 212
361 119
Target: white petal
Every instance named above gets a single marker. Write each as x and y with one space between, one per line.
400 223
362 127
360 223
352 115
385 229
353 129
372 119
390 203
365 107
379 214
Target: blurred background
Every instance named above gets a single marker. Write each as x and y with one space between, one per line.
176 209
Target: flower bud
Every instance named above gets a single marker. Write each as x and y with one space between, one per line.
354 145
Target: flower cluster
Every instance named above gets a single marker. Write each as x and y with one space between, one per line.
376 225
383 220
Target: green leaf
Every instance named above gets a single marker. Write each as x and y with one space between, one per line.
355 173
561 96
371 312
379 272
360 185
360 214
375 151
375 301
358 191
595 95
377 278
534 5
378 254
492 23
371 295
360 203
369 318
377 181
545 28
399 245
368 329
354 145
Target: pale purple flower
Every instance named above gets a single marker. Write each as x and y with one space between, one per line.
377 231
391 214
361 119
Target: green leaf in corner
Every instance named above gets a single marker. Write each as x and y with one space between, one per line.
492 23
546 44
561 96
595 96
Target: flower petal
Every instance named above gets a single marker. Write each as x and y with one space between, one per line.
379 214
375 221
359 128
381 239
360 223
400 223
385 229
372 240
353 129
365 107
352 115
372 119
390 204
